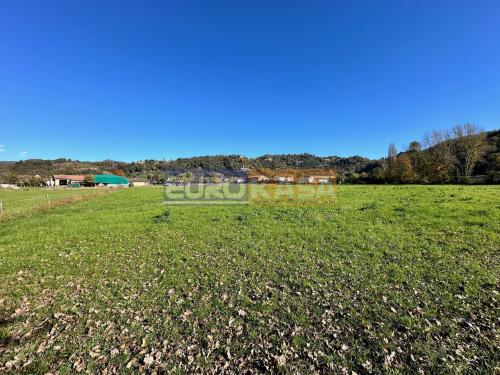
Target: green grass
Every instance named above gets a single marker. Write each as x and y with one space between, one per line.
28 199
392 279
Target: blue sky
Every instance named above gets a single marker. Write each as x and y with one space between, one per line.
93 80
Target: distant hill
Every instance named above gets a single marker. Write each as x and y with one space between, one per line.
350 169
151 168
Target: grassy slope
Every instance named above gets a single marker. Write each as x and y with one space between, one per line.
395 278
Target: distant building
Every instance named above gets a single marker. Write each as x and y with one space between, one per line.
110 180
257 178
67 179
292 176
284 178
316 176
137 182
318 179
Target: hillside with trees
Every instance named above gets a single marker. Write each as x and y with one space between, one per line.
462 154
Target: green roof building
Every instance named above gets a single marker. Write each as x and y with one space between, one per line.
110 179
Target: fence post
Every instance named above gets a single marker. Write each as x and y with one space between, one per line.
48 201
1 207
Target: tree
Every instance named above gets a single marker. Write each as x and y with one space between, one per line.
391 172
13 179
468 145
34 181
417 158
118 172
392 152
158 178
215 179
405 173
438 145
377 174
186 177
415 146
88 180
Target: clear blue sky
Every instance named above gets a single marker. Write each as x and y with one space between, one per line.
128 80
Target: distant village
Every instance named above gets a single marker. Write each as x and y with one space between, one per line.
253 176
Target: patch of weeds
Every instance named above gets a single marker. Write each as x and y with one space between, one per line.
469 223
369 206
246 217
400 210
242 218
164 217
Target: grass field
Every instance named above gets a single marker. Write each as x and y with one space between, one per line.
395 279
21 201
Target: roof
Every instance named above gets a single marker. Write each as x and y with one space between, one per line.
110 179
69 177
137 179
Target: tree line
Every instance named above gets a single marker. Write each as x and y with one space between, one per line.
462 154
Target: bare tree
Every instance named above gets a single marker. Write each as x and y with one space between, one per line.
468 145
392 152
438 144
391 171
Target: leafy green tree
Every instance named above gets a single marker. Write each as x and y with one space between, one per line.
377 174
186 177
